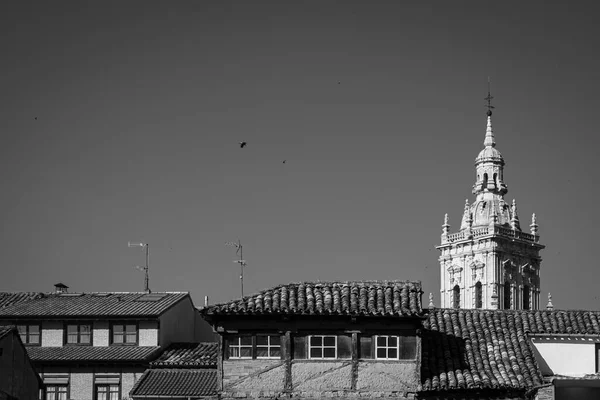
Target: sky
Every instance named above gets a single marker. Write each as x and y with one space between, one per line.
120 121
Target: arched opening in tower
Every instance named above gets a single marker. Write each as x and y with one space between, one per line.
507 289
456 297
478 296
526 297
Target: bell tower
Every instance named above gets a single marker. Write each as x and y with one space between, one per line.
490 263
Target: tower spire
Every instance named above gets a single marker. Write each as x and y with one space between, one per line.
489 134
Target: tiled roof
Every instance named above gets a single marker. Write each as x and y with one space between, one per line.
374 298
560 321
478 349
176 383
94 304
186 355
93 353
10 298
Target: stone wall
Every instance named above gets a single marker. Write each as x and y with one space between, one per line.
253 375
321 376
545 393
387 376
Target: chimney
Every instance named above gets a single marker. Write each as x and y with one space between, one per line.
60 288
205 301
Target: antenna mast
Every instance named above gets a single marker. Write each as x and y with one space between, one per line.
241 261
146 267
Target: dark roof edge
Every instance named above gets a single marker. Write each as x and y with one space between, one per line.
187 296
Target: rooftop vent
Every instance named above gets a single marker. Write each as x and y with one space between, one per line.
60 288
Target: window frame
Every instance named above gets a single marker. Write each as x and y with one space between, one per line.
56 385
78 324
370 345
386 347
253 346
108 392
268 347
322 347
124 334
28 334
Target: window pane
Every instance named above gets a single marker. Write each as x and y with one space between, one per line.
365 347
85 328
381 353
262 352
316 352
118 328
246 340
275 340
85 338
22 329
72 329
71 338
234 352
246 352
117 338
329 341
392 341
131 329
299 347
344 346
262 340
34 338
316 341
329 352
130 338
381 341
393 353
275 352
50 393
34 329
62 395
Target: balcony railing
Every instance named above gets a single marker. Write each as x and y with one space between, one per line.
489 230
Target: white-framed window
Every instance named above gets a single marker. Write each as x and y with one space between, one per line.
386 347
268 346
240 347
56 392
322 346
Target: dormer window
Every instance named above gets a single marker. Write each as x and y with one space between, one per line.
30 334
124 334
79 334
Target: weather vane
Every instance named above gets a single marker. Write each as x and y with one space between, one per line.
146 267
489 100
241 261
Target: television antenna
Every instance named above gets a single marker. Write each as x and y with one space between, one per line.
146 267
241 261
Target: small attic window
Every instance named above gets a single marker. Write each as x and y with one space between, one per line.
151 297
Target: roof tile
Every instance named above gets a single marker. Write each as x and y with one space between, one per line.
92 305
93 353
186 355
11 298
176 383
373 298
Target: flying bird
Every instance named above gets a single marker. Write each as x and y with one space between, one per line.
243 144
284 161
35 118
339 82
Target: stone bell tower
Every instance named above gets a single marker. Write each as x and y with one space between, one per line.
490 262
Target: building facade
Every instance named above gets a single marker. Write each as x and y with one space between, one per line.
18 378
490 262
97 345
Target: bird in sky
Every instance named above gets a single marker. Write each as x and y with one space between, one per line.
243 144
284 161
339 82
35 118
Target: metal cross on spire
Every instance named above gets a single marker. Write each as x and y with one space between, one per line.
489 100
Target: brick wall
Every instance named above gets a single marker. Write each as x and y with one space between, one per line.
545 393
252 371
52 334
148 334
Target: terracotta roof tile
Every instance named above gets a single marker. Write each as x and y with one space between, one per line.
176 383
93 353
11 298
93 305
479 349
187 355
374 298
